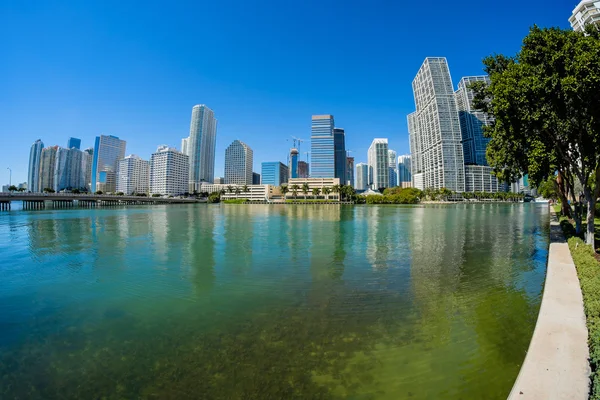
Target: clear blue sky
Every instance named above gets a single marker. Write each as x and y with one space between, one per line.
135 69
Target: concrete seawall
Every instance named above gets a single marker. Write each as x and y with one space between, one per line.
556 366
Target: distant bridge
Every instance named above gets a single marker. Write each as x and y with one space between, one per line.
35 201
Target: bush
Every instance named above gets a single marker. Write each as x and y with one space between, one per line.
214 197
396 196
156 195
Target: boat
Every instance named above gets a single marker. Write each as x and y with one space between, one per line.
541 200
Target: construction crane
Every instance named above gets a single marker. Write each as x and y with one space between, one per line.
297 140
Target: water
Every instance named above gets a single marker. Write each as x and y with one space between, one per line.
269 302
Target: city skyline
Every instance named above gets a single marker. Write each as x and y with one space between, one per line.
144 85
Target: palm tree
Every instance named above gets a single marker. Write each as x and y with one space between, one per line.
230 188
21 189
337 189
237 190
295 189
316 192
221 192
245 189
326 191
305 189
284 190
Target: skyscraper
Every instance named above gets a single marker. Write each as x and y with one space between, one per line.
184 145
339 144
169 172
379 171
472 122
362 176
393 168
303 169
274 173
255 178
70 169
434 129
33 175
108 150
47 167
239 160
586 12
201 146
322 156
74 143
89 159
134 175
404 175
293 163
349 171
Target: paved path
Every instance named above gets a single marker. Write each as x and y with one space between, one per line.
556 366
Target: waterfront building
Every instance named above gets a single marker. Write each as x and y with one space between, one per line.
184 145
404 175
586 12
74 143
22 185
479 179
169 172
220 180
322 156
255 178
349 171
201 145
70 169
252 193
274 173
379 172
33 175
47 167
313 183
303 169
89 159
5 188
108 150
239 160
339 144
393 166
434 129
133 175
293 167
362 176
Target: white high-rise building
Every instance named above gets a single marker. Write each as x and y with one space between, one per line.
133 176
404 174
47 167
108 150
378 160
434 129
239 160
393 166
33 175
169 172
362 176
70 169
201 146
184 145
586 12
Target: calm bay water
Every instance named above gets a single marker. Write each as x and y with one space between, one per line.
269 302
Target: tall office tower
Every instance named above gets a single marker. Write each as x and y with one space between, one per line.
322 156
293 167
201 146
133 176
61 167
108 150
74 143
586 12
362 176
239 160
434 129
349 171
303 169
255 178
472 122
33 175
379 171
404 175
169 172
339 145
184 145
47 167
393 166
89 159
273 173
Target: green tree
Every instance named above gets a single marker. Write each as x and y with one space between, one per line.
548 189
305 189
12 188
545 104
230 188
284 189
20 189
445 193
245 189
97 192
326 191
295 189
337 189
316 192
237 190
76 191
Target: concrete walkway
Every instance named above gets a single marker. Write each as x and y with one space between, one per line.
556 366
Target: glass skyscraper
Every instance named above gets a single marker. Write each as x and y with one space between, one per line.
322 156
273 173
362 176
239 160
378 160
108 150
339 144
74 143
393 168
404 175
349 171
294 163
33 175
201 146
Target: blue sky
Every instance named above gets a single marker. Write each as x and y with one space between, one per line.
135 69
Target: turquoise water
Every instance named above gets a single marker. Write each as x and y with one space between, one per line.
269 302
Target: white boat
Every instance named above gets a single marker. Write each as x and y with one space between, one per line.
541 200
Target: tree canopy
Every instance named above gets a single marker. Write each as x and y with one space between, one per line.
545 102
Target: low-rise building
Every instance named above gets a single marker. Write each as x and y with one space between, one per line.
312 183
479 178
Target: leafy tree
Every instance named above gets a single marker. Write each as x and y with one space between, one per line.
295 189
245 189
221 192
305 189
20 189
156 195
230 188
545 104
215 197
120 194
316 192
284 189
326 191
445 193
12 188
75 191
99 192
237 190
548 189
